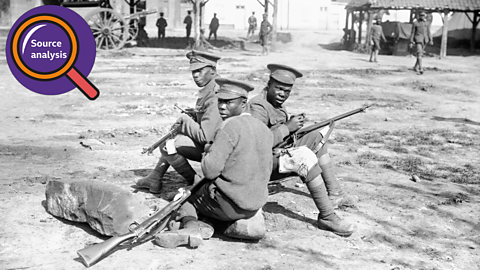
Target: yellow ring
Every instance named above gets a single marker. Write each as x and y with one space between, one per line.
35 74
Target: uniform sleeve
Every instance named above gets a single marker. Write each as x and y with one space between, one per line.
204 131
257 110
214 160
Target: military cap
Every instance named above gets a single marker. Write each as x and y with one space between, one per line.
423 14
231 89
199 59
283 73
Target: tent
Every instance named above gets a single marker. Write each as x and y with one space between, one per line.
459 31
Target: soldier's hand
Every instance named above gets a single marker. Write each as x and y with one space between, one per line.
296 122
431 42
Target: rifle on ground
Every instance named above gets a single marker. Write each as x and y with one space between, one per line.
172 133
139 233
305 130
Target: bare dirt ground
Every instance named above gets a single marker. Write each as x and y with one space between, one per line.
416 128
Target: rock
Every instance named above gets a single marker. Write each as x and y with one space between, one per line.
107 208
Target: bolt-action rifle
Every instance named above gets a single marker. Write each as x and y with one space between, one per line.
305 130
139 233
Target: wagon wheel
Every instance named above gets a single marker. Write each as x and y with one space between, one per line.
132 29
109 29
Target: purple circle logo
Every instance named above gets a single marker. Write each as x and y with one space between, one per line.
51 50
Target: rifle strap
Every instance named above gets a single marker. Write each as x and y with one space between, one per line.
324 140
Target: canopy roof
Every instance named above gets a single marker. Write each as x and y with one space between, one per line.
433 5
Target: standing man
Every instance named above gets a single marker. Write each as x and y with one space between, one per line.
309 157
161 25
419 38
265 29
214 24
377 35
252 25
188 24
194 135
236 166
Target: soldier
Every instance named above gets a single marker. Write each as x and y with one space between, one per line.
252 25
377 35
265 29
193 134
420 37
237 165
161 25
214 24
188 24
309 154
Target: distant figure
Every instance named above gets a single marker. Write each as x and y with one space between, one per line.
161 24
142 36
265 29
188 24
377 35
252 25
214 24
420 37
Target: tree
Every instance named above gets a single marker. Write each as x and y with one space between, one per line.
198 6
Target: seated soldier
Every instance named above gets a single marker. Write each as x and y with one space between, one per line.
309 153
193 134
237 165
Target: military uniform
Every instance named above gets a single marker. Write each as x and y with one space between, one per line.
420 37
252 25
193 135
308 158
238 163
275 119
161 25
265 29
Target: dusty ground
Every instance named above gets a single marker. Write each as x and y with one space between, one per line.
415 128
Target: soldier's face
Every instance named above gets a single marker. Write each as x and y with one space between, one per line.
277 92
231 107
203 76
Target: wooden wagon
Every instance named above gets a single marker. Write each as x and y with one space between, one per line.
110 28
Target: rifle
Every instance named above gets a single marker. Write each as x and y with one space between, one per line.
173 131
189 112
305 130
139 233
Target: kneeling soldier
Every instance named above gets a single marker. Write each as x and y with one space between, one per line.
309 158
193 134
238 164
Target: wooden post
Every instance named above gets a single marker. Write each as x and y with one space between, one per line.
196 22
274 25
475 22
360 27
266 6
443 46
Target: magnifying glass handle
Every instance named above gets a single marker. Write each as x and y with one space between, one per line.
83 84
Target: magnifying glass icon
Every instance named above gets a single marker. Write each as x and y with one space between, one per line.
68 68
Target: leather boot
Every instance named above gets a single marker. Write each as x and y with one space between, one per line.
329 176
250 229
181 165
153 181
190 235
327 219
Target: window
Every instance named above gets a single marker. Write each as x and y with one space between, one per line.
240 7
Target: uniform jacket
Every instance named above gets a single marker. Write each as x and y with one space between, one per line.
377 33
214 24
420 33
274 118
208 118
265 28
161 23
188 21
240 161
252 21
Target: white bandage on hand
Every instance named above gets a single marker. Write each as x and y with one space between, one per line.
170 147
297 159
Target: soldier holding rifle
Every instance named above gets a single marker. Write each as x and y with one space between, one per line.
309 157
237 167
193 134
